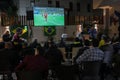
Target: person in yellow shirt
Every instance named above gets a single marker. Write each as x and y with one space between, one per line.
102 41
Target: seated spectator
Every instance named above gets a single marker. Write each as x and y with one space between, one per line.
13 54
91 54
114 38
11 57
54 56
48 43
34 44
87 44
34 62
26 50
108 50
102 41
6 36
116 47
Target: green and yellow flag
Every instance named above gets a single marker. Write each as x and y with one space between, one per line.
49 30
24 30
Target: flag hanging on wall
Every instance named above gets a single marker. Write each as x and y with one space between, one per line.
49 30
24 30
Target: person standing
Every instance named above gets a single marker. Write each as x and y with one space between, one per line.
17 40
45 16
6 36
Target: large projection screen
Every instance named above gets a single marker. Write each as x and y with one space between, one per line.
48 16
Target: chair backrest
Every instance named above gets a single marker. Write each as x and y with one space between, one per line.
91 68
75 51
62 49
31 75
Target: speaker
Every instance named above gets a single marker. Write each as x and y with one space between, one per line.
29 15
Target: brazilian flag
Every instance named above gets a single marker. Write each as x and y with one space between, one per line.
49 30
24 30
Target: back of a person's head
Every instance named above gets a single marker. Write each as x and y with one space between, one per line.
8 45
87 42
52 50
7 32
106 39
95 42
18 29
53 46
40 50
24 45
28 51
103 36
35 40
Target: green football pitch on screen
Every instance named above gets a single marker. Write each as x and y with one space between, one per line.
48 17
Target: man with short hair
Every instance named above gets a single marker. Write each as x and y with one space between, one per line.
91 54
